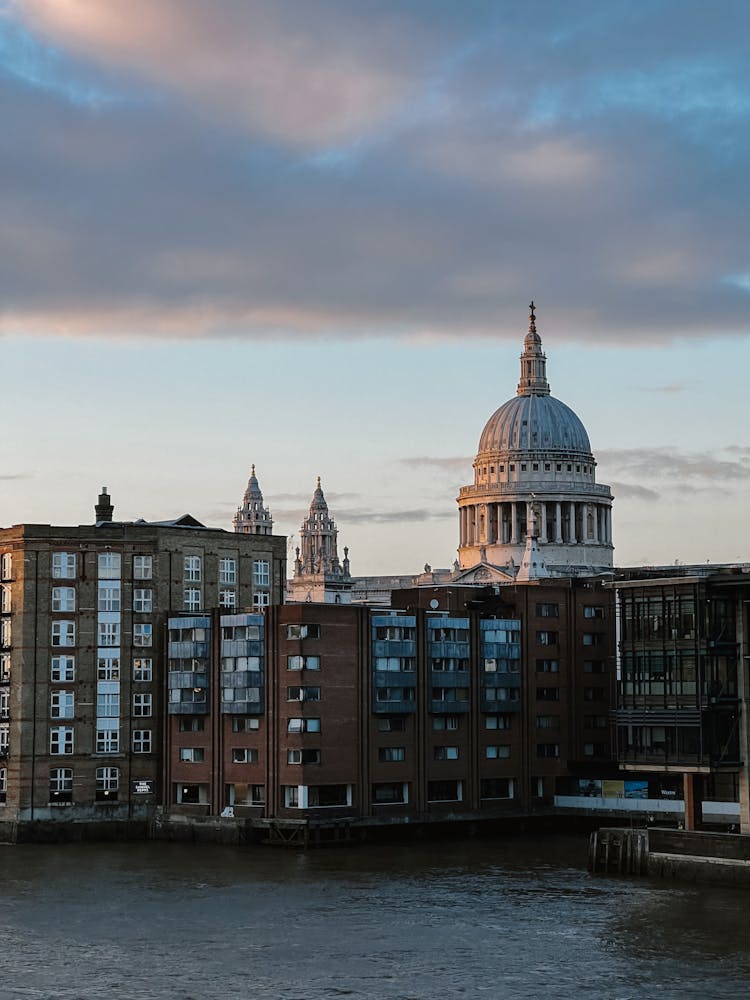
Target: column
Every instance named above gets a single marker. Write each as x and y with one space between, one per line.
558 523
543 526
572 525
597 511
513 523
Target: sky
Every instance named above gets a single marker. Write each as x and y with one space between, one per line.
305 236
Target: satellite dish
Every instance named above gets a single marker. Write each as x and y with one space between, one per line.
434 603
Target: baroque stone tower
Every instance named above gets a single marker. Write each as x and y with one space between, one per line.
319 576
252 518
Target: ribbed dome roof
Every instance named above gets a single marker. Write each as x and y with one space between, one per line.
534 423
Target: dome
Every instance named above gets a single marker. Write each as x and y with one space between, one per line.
535 423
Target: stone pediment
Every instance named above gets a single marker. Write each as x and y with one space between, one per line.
484 573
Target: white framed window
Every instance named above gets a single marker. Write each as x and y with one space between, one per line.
107 783
61 784
142 705
261 599
291 796
303 725
143 601
228 571
63 633
192 569
110 566
4 739
497 722
108 704
108 634
63 566
141 741
6 566
3 783
303 756
63 668
498 752
107 740
63 599
593 612
192 599
247 725
446 722
261 573
108 668
303 663
5 600
391 754
6 632
244 755
227 599
4 667
446 753
303 693
303 631
142 669
61 705
4 703
109 595
143 567
192 755
60 740
143 634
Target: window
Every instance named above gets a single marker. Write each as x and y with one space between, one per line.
593 639
141 741
547 610
143 601
107 784
303 756
291 796
593 667
593 694
63 599
394 694
63 633
4 739
497 722
388 793
108 702
303 631
240 694
444 791
297 725
548 750
546 638
303 693
261 599
303 663
227 599
5 667
108 668
261 573
142 705
594 750
61 705
446 722
61 740
108 634
192 569
194 724
63 566
109 595
390 754
143 567
501 752
501 694
447 663
246 795
142 670
392 724
244 755
107 740
5 600
5 703
63 668
403 663
547 694
3 784
547 721
246 725
241 664
595 722
6 566
192 755
228 571
396 633
109 566
61 785
142 634
6 632
192 599
449 694
445 753
593 612
496 788
547 666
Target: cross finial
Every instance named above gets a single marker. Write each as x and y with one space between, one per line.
532 317
318 482
252 469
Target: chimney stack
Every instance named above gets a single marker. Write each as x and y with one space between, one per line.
104 509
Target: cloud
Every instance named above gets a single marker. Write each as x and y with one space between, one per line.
9 477
631 491
408 516
455 465
327 168
665 464
672 387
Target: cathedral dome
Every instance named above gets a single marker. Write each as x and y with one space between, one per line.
535 423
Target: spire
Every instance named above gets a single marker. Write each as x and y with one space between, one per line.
252 518
533 380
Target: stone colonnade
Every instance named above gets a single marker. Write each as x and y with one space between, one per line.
561 522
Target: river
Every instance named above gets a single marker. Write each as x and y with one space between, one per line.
495 918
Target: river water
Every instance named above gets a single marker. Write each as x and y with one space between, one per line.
491 918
